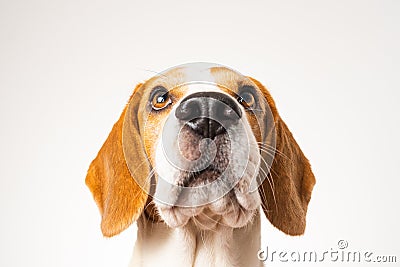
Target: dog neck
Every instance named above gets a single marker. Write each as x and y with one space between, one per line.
159 245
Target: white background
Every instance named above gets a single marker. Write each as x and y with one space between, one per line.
67 69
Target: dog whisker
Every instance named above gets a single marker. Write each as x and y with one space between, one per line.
271 184
272 149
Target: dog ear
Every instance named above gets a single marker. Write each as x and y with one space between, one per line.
118 195
286 191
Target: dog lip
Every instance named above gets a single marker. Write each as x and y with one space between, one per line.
191 177
209 168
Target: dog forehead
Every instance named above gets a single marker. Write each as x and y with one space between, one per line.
195 78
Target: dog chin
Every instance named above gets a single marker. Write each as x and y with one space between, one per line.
234 210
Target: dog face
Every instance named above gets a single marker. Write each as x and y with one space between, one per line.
202 140
207 145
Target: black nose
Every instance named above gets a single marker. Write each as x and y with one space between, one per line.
209 113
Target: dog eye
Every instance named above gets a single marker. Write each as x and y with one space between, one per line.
160 98
246 99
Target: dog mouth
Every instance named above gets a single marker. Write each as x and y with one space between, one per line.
198 178
206 159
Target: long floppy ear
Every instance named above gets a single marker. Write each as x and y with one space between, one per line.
286 191
119 197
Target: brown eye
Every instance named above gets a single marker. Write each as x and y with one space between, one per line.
160 98
246 99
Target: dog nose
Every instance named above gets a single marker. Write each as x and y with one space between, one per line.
208 113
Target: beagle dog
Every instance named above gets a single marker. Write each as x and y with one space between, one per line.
197 153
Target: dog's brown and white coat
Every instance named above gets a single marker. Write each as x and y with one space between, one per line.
226 230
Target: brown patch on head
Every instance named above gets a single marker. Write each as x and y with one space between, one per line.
255 126
229 79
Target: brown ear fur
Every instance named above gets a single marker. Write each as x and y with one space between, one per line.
119 198
287 189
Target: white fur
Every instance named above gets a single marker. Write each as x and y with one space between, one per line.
159 245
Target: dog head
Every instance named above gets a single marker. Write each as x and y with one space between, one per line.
201 143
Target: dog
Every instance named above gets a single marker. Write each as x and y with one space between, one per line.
197 154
